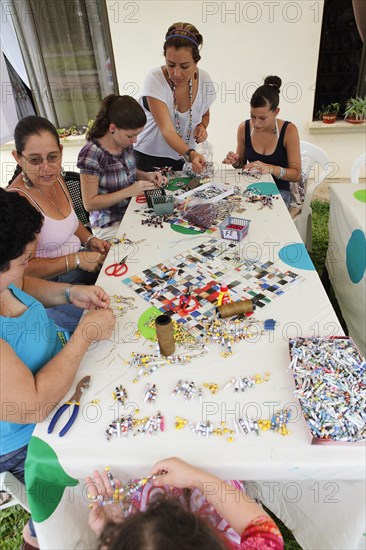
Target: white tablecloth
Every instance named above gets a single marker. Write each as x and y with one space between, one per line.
346 257
282 464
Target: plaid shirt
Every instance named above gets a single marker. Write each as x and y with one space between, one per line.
115 172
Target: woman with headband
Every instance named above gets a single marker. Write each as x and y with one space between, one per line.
266 144
177 99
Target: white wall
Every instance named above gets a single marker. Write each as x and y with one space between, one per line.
243 42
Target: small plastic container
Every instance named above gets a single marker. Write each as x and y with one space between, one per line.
153 193
163 205
234 229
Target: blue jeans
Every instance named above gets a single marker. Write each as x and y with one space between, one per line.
13 462
286 195
68 316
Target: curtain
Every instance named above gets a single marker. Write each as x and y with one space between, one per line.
359 9
67 57
8 111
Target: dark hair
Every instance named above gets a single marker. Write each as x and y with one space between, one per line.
27 127
20 223
122 110
164 525
184 35
268 94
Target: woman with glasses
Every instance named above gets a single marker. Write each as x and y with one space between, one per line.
66 251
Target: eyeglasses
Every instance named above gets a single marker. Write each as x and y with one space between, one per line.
36 160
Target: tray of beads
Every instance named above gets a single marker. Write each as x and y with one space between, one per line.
208 192
330 380
234 229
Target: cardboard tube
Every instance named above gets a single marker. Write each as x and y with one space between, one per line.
165 334
235 308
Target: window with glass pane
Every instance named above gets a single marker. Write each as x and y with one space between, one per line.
70 61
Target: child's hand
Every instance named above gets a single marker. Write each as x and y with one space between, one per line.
179 474
101 515
231 158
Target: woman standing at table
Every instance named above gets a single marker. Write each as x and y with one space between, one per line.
107 164
37 365
184 507
266 144
177 99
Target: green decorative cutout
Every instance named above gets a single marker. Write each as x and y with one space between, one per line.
186 230
360 195
176 183
146 331
45 479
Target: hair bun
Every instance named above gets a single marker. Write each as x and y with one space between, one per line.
274 81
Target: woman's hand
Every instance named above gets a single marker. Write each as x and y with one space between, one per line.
200 133
99 245
258 167
89 297
179 473
198 162
157 178
231 158
140 186
91 261
99 516
96 325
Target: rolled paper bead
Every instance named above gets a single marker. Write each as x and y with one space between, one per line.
235 308
165 334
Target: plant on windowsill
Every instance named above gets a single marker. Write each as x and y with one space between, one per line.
328 113
355 111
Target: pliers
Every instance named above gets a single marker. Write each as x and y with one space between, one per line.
82 385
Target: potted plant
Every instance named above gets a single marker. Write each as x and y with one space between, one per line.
328 113
355 111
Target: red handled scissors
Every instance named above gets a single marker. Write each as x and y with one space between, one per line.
117 269
187 302
82 385
141 199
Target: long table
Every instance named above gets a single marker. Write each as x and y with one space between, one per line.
346 256
304 485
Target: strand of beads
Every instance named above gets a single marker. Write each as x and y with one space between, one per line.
187 389
150 394
122 495
131 425
225 332
149 363
124 240
120 394
122 304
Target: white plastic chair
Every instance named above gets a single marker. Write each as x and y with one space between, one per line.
356 168
303 221
10 484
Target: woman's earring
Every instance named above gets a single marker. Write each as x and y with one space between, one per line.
27 182
195 76
62 172
112 131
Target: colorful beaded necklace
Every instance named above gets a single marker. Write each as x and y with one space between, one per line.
176 116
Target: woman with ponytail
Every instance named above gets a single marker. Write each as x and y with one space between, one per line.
177 98
266 144
107 164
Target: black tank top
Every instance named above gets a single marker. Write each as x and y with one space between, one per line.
277 158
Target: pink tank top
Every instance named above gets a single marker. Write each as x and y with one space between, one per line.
57 237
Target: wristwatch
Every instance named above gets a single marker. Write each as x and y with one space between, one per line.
187 155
